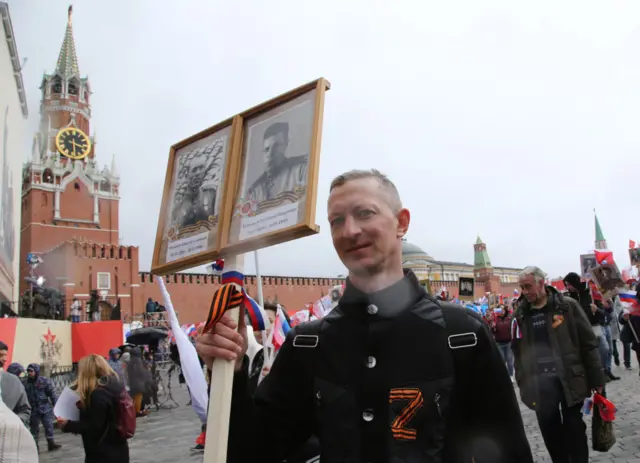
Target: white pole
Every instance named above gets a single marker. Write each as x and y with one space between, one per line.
222 371
258 280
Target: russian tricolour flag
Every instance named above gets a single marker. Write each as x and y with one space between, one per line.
627 296
280 329
629 301
259 320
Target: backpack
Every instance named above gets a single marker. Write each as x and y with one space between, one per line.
125 415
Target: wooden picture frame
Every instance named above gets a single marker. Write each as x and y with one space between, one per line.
466 288
587 263
186 236
275 171
608 279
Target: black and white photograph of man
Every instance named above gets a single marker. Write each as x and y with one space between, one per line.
277 156
587 264
197 185
634 256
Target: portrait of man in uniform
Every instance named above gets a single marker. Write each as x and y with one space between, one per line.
198 181
275 177
587 263
281 173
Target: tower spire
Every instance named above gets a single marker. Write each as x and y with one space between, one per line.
67 64
601 242
481 256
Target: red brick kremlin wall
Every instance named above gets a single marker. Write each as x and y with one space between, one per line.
73 268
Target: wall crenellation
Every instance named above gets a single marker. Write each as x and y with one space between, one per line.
206 278
90 250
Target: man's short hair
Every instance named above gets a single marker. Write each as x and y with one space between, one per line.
536 272
3 346
356 174
277 128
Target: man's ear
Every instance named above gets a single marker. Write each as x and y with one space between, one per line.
404 218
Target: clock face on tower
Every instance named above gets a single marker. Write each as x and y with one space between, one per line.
73 143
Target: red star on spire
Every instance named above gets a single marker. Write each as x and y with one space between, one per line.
49 337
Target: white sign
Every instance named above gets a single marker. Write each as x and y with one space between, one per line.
66 405
269 221
187 246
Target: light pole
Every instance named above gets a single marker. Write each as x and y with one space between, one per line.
33 261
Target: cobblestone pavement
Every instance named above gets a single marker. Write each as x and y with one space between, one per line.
162 437
167 435
625 394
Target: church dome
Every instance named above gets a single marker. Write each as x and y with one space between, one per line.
411 251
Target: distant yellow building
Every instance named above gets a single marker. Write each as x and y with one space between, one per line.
427 268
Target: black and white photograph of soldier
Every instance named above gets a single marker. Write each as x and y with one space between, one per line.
277 155
587 263
634 256
197 192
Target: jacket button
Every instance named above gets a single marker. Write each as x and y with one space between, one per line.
372 309
367 415
371 361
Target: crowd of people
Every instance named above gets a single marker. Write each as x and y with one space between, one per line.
391 373
100 384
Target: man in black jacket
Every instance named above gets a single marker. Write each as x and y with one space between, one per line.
595 312
389 375
557 365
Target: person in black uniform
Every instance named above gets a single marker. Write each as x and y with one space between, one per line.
389 375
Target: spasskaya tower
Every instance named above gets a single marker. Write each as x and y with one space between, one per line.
66 195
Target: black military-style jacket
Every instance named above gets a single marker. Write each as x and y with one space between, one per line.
376 381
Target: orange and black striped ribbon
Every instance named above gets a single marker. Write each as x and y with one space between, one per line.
225 298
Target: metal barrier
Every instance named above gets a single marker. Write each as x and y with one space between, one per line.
62 376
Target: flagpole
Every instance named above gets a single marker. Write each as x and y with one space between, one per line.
258 280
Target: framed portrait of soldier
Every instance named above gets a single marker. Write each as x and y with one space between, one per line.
634 256
193 201
607 278
587 263
465 288
277 171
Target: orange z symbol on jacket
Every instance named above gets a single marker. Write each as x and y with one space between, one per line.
399 428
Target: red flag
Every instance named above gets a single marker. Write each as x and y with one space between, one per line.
632 244
604 257
595 294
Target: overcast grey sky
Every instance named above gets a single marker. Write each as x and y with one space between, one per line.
513 120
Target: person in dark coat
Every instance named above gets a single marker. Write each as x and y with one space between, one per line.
99 389
138 379
42 398
580 292
630 333
310 451
558 365
389 375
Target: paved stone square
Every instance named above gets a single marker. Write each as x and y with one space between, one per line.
167 435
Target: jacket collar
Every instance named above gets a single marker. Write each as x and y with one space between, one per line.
389 302
554 301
